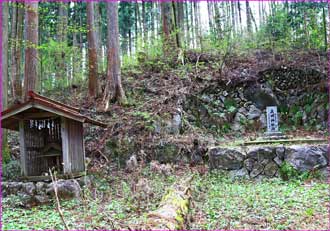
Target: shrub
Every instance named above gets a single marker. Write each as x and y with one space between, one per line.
287 171
11 170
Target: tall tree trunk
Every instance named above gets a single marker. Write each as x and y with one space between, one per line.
180 22
324 28
167 28
5 16
187 26
239 15
197 26
248 17
81 41
158 20
253 19
136 12
62 39
31 52
233 13
138 23
16 36
130 42
217 20
74 61
62 22
98 34
144 23
92 52
152 19
76 66
193 26
175 23
113 69
210 13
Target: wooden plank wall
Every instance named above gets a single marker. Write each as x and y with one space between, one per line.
76 147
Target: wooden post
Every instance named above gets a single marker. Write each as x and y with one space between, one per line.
22 148
83 147
65 146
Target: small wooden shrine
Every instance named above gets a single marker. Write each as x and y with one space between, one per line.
51 136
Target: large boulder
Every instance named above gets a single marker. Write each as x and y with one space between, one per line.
226 158
261 96
238 122
253 113
29 188
325 173
271 169
249 163
305 158
40 187
261 153
280 152
257 169
66 189
174 125
9 188
166 152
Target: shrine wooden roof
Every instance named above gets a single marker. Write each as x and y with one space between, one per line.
40 107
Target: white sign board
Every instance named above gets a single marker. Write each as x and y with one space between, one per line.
272 119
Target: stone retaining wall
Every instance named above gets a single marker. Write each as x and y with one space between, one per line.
30 194
258 161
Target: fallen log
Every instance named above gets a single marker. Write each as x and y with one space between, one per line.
173 209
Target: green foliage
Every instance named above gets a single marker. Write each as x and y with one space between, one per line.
5 151
230 104
150 56
294 25
227 204
112 204
288 172
11 170
149 120
51 54
120 149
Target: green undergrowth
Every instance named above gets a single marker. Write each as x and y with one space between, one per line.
218 203
112 204
221 203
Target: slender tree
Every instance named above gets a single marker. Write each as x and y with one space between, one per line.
98 33
31 52
144 22
180 22
217 20
92 52
152 19
187 25
62 27
239 15
5 16
211 15
248 17
324 27
114 85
